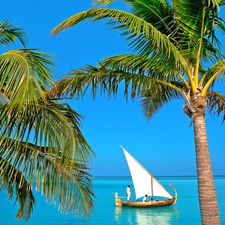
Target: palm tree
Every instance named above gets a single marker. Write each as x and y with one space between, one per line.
176 56
40 139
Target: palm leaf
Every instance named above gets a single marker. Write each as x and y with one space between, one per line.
100 79
19 187
71 190
24 75
40 139
211 74
156 96
58 163
57 158
191 14
103 2
216 104
141 65
9 33
108 77
50 124
153 89
135 26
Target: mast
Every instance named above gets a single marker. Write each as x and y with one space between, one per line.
152 188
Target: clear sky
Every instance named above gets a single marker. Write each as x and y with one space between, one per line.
164 145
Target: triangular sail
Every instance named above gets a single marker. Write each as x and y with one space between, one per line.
144 182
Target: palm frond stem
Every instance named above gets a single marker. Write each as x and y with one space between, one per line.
199 48
19 55
206 87
168 84
192 82
185 82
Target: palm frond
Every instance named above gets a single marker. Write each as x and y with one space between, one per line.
53 124
71 190
188 15
158 13
121 71
99 79
17 186
58 156
216 104
136 27
9 33
40 139
222 2
210 52
156 96
140 65
25 74
191 14
215 72
103 2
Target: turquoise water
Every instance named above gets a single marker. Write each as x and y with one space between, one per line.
185 212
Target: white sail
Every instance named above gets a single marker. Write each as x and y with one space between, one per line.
144 182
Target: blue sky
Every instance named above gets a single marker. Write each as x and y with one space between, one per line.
164 145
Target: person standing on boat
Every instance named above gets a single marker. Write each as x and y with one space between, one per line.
145 199
128 193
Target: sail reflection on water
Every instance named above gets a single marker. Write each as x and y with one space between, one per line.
143 216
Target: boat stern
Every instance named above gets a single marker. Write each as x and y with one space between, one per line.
118 202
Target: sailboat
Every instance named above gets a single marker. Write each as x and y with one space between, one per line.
145 184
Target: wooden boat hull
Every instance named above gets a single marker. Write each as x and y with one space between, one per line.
146 204
159 203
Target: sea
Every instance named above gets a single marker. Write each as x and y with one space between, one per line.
184 212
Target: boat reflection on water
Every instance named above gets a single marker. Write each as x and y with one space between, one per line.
144 216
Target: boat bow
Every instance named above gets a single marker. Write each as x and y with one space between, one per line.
175 193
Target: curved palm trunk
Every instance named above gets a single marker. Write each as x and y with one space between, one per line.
206 188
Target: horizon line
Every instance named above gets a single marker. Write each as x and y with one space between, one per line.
217 175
